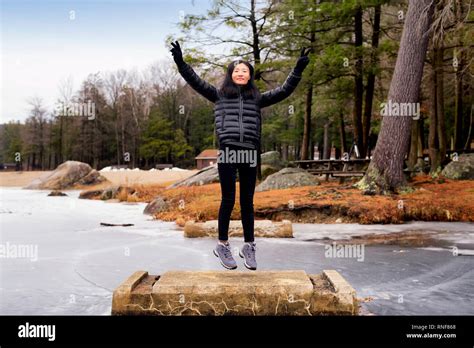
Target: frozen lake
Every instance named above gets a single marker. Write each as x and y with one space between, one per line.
73 264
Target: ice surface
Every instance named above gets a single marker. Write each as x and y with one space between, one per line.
80 262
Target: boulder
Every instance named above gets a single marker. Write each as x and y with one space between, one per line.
204 176
286 178
460 169
268 170
113 192
57 193
216 293
67 175
92 178
155 206
91 194
108 193
262 228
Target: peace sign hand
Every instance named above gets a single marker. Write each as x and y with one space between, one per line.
177 53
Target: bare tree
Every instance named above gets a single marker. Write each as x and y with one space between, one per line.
36 133
114 85
385 172
65 89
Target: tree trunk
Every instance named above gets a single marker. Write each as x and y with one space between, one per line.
413 153
326 148
458 86
342 133
385 172
469 133
117 141
415 157
307 123
441 127
369 91
437 137
458 109
60 142
433 142
284 145
307 111
358 79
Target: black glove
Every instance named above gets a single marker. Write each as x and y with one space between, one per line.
303 60
177 54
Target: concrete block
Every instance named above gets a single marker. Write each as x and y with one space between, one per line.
286 292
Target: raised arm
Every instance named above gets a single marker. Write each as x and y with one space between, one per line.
284 91
204 88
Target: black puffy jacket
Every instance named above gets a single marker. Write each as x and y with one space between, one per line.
238 120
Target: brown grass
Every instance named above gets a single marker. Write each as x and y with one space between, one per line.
432 200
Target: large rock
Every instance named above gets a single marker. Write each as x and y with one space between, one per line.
66 175
268 170
461 169
111 192
155 206
90 194
262 228
202 293
56 193
286 178
204 176
92 178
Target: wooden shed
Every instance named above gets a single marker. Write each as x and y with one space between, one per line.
206 158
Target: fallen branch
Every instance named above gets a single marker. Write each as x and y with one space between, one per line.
107 224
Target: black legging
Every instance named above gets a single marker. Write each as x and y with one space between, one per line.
247 180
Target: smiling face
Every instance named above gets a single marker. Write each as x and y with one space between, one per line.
241 74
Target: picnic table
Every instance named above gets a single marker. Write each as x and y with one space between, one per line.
335 167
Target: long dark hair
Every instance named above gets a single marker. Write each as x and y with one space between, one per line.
230 89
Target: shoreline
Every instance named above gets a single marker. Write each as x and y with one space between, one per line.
437 200
125 177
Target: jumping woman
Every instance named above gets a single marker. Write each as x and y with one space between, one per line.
237 122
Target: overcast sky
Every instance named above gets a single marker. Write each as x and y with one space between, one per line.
42 42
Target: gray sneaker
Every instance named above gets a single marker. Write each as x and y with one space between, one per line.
248 254
224 253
